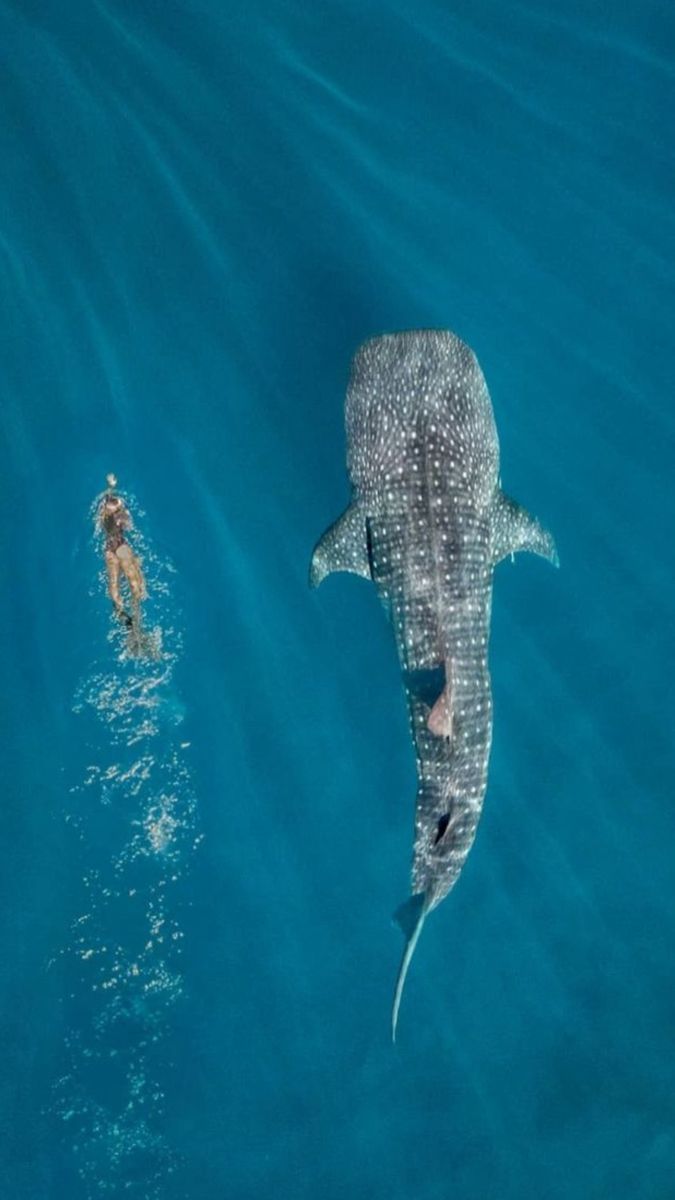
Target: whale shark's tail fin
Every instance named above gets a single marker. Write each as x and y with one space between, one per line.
410 916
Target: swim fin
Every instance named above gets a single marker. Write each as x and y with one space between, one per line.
123 616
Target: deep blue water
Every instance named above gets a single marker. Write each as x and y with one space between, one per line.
204 209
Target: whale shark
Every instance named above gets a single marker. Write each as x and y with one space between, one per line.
427 523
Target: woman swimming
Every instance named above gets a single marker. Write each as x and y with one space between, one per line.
114 519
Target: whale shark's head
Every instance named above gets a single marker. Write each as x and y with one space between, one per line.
400 370
400 381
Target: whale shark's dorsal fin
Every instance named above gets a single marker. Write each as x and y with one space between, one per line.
410 916
513 528
343 547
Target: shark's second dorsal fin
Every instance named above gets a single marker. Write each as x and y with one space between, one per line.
513 528
343 547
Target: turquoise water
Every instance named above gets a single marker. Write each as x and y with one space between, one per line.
204 209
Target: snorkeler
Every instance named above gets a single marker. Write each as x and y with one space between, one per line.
114 519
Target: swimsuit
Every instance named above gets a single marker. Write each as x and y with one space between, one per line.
114 530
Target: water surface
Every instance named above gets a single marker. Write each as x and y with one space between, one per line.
204 209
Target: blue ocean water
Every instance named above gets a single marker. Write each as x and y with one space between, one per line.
205 207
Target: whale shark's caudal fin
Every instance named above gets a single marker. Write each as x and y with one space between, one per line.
343 547
410 916
513 528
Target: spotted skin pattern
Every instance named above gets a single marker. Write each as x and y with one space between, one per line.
427 524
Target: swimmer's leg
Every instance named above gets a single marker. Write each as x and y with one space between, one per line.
141 578
131 566
113 568
137 581
140 643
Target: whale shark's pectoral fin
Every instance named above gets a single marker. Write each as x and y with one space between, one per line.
513 528
343 547
410 916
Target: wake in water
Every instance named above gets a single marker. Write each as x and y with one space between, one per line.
134 815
